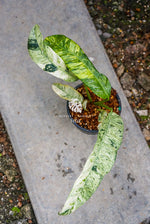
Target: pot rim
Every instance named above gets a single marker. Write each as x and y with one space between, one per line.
87 131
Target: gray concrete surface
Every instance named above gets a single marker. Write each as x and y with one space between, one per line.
45 142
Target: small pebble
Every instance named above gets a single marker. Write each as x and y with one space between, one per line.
135 92
106 35
146 134
128 93
120 70
99 32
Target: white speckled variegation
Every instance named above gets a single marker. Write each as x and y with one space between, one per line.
99 162
46 58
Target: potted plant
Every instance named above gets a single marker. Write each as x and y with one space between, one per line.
62 57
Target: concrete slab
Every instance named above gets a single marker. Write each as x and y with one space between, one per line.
46 144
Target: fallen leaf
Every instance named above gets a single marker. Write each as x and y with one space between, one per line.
19 204
138 9
115 65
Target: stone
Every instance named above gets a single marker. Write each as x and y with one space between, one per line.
99 32
106 35
10 162
27 211
127 81
144 81
135 92
10 174
120 70
90 2
132 13
120 8
1 217
99 26
142 112
146 134
128 93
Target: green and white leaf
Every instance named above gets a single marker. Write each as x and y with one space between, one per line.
77 62
67 92
99 162
46 58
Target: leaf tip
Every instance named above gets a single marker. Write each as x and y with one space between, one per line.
66 212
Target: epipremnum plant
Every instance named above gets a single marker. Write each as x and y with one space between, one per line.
62 57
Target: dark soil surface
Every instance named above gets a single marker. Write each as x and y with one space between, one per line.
88 119
124 28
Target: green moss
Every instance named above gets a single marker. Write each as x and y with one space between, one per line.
26 196
15 210
143 118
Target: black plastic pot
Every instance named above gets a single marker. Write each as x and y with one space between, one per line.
87 131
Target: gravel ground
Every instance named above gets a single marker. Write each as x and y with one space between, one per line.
15 206
124 28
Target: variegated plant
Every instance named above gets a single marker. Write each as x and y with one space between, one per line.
63 58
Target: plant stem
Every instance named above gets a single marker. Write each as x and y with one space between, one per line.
88 93
101 103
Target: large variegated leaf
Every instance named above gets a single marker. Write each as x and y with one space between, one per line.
99 162
46 58
67 92
77 62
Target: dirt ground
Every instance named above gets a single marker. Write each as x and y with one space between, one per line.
124 28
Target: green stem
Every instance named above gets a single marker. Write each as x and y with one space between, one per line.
88 93
100 103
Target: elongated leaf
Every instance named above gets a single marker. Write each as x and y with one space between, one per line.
99 162
46 58
77 62
67 92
